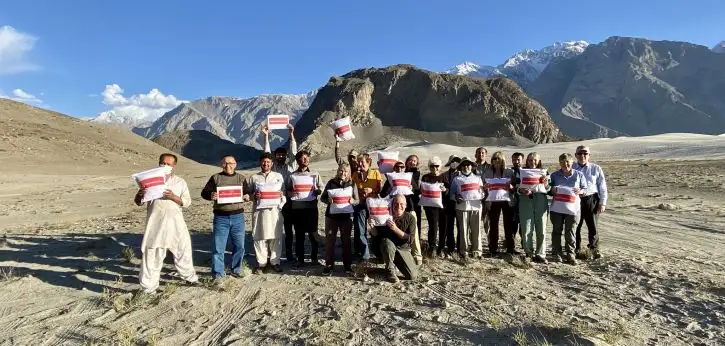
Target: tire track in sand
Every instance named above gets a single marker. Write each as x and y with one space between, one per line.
242 304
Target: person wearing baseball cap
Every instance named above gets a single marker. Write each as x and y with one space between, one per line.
468 212
593 202
437 236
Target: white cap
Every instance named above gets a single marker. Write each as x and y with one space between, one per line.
435 161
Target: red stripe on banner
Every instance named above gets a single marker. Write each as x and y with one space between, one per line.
342 129
469 187
273 121
430 194
341 200
378 210
565 198
387 162
302 187
151 182
498 186
230 193
401 182
531 181
270 195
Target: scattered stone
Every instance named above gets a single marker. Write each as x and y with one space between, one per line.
541 296
667 206
693 326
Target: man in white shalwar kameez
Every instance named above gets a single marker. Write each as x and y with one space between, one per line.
166 231
267 223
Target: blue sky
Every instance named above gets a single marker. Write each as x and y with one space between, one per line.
191 49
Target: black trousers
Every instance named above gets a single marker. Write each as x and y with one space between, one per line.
436 228
498 208
590 216
288 234
305 222
448 238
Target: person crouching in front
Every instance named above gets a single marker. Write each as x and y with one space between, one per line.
396 238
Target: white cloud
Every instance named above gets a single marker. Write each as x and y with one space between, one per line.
21 95
14 48
136 109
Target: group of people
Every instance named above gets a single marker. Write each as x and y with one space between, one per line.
286 193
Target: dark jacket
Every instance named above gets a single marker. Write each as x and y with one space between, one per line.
334 183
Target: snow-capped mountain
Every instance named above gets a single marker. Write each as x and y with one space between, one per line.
129 116
233 119
719 48
525 66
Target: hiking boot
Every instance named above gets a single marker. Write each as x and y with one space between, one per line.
392 277
238 275
277 268
327 270
571 259
540 259
556 258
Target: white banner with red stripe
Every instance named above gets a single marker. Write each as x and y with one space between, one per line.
277 121
153 182
431 195
379 210
303 187
532 178
341 200
565 201
498 189
270 195
469 187
229 194
343 129
387 160
400 183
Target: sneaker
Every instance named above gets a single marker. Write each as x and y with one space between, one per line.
238 275
349 271
256 270
571 259
392 277
327 270
276 268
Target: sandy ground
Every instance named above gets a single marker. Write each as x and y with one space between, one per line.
65 278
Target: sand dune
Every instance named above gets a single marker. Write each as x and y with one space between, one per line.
66 278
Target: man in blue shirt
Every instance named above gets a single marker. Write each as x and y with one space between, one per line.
593 202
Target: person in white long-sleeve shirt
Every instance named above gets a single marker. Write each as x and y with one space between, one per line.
166 231
593 202
284 164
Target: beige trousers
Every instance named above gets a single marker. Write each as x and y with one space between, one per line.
153 261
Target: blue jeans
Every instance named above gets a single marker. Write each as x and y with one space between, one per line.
223 226
360 244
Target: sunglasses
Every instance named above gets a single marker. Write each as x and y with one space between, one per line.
434 166
582 153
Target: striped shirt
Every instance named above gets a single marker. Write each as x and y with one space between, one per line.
596 182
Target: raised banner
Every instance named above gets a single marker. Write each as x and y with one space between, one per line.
277 121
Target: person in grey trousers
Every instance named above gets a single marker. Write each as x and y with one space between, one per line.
564 223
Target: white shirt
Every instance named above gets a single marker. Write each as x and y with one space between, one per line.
596 182
165 223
